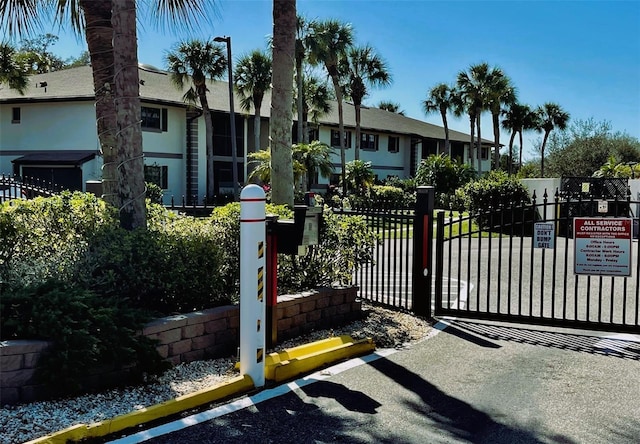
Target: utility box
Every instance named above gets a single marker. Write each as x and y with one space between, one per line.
297 234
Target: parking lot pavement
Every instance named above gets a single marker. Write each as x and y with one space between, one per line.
471 383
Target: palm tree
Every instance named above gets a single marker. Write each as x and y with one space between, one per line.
328 43
392 107
284 47
518 118
473 86
197 61
314 157
252 80
359 175
131 186
463 104
362 67
11 72
440 100
500 91
316 102
302 36
551 116
95 19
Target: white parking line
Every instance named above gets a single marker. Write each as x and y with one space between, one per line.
249 401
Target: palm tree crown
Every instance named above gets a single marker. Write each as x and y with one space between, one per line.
328 42
252 80
362 67
194 62
440 99
518 118
550 116
392 107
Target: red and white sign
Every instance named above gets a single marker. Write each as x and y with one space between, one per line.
602 246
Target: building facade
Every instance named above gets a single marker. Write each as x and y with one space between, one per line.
50 133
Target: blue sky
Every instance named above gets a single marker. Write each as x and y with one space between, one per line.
583 55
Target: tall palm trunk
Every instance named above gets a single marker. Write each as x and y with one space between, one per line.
129 136
544 144
343 160
472 143
479 145
520 162
284 46
300 85
513 137
99 34
208 125
496 136
257 125
358 132
447 144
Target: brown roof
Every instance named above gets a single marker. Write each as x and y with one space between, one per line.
156 86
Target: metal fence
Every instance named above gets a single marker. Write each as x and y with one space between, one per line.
494 265
16 187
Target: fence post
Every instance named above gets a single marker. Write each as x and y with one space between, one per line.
252 278
422 246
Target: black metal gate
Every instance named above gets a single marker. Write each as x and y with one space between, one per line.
492 266
399 274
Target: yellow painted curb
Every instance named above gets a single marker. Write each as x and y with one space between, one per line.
302 359
77 432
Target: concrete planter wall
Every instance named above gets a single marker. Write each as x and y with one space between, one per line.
194 336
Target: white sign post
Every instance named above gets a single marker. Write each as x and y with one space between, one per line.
252 283
602 246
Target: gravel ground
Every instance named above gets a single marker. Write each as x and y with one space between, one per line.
388 328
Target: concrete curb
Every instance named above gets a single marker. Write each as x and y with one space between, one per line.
278 367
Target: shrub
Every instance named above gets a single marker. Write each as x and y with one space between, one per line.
88 333
485 197
44 238
346 242
445 175
225 222
154 193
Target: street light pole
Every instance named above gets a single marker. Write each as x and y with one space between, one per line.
232 116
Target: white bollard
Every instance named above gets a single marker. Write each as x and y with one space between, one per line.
252 283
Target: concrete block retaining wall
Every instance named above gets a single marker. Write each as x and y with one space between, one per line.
190 337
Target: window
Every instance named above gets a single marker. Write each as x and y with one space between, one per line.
394 144
369 142
484 153
335 138
15 115
157 174
153 118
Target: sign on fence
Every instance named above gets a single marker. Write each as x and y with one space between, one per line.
602 246
544 235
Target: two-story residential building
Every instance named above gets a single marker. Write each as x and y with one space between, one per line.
50 133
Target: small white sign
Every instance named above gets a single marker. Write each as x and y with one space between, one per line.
544 235
603 206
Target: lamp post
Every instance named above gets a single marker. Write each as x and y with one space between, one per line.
232 116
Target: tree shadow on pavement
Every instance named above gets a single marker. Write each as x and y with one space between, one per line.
458 419
614 345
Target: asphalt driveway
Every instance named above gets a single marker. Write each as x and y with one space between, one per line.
471 383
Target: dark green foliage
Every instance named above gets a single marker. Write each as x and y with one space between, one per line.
154 193
492 198
225 221
88 333
345 244
585 146
445 174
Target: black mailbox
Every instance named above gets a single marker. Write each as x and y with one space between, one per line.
304 230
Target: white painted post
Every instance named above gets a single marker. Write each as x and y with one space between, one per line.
252 283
